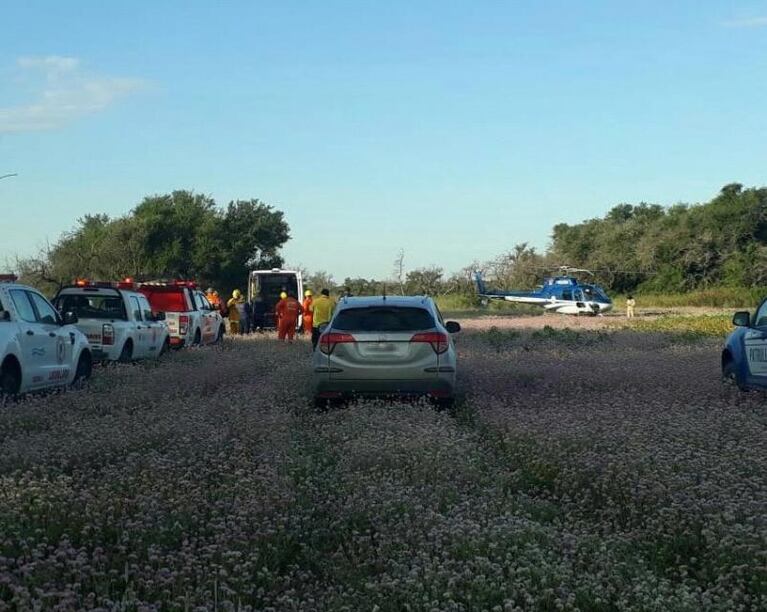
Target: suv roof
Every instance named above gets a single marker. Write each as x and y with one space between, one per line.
388 300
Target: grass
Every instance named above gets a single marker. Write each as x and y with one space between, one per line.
465 306
717 297
625 478
685 328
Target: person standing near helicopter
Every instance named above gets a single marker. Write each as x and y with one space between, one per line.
630 305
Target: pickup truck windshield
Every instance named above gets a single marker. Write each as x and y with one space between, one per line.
383 319
92 306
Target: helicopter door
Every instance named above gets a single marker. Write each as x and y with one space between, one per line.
579 300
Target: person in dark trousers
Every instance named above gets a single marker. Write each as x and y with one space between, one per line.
258 311
248 320
322 312
242 314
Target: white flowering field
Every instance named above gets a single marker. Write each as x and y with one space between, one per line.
583 469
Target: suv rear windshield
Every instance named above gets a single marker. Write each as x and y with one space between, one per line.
383 319
92 306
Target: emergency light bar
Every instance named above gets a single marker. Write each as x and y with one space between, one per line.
8 278
124 284
170 283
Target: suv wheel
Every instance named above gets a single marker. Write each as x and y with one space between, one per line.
730 375
197 338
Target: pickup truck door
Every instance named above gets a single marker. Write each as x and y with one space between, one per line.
35 346
207 321
154 329
141 337
59 343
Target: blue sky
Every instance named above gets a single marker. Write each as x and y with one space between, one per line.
452 130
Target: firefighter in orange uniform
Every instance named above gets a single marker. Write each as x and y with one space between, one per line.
307 306
213 298
286 313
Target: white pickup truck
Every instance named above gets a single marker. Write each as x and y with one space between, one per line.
39 348
118 322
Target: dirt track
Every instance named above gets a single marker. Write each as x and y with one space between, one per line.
585 469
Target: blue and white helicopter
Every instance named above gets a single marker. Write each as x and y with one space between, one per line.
563 294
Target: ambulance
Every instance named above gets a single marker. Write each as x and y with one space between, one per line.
268 284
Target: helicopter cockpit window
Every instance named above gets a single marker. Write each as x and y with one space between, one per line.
567 294
596 294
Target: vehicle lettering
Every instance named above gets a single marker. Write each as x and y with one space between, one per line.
757 354
62 374
38 352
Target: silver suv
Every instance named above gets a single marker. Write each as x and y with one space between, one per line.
386 346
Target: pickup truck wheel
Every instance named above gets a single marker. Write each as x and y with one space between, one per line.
84 369
220 335
165 347
197 338
10 379
126 354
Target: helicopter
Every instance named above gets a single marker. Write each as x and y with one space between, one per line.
562 293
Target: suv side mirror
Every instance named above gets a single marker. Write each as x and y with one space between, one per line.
159 316
741 318
452 327
69 318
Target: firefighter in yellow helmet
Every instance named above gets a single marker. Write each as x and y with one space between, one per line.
234 311
286 313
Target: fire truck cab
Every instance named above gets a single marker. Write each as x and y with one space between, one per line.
192 320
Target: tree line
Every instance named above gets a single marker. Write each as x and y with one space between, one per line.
178 235
633 248
642 248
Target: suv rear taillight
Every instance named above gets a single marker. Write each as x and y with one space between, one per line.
439 341
328 341
107 334
183 325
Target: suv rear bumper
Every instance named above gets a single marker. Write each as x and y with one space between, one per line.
441 387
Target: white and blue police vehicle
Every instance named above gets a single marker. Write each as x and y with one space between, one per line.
744 356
